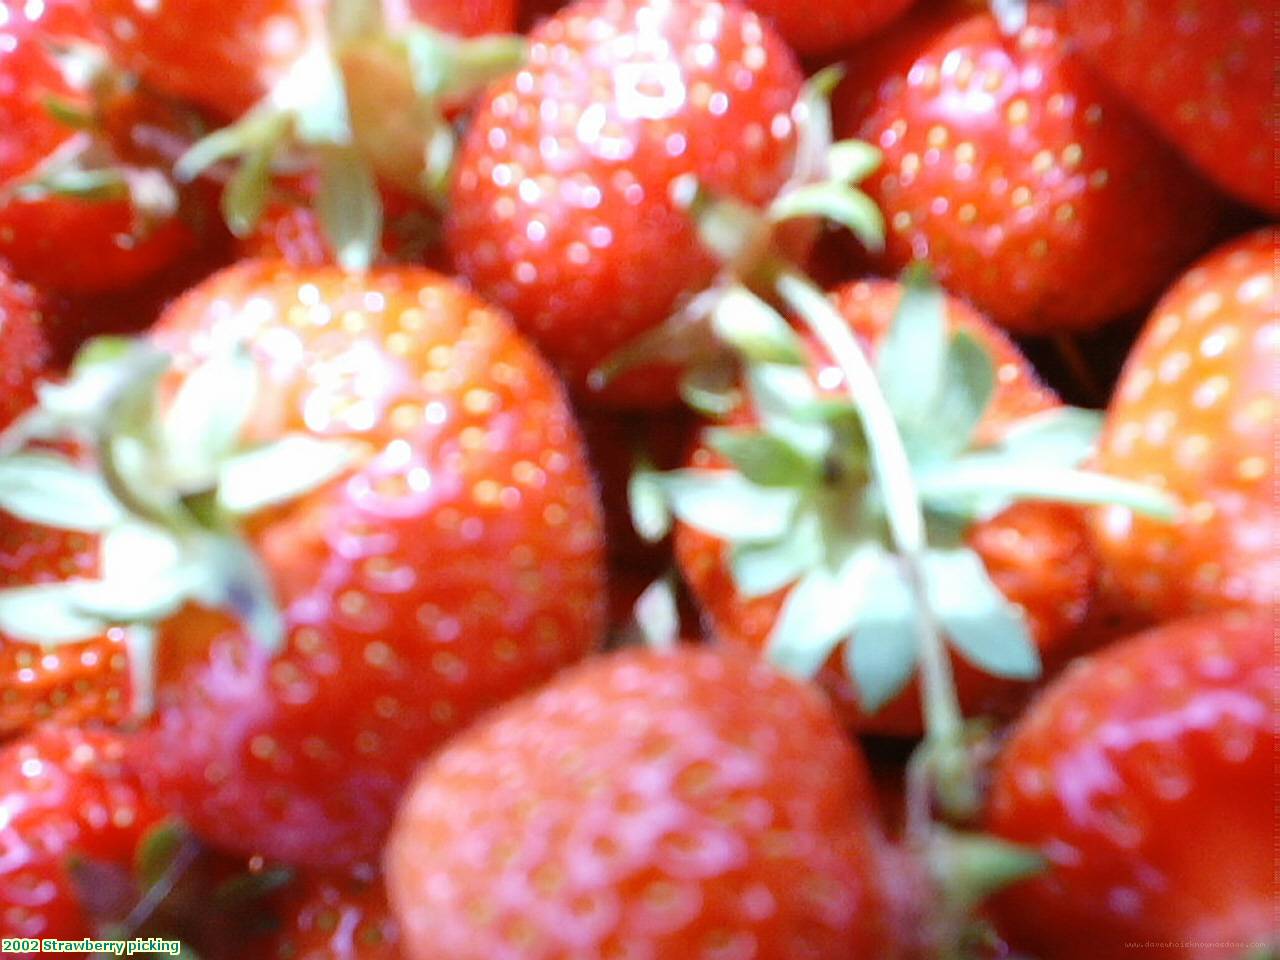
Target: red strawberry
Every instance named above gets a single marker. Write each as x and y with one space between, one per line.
1200 73
1195 412
69 798
227 55
1036 554
561 208
1145 775
650 804
24 348
342 917
419 537
815 28
81 210
1018 175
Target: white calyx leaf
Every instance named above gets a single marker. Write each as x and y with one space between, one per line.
208 414
53 492
281 471
49 614
727 505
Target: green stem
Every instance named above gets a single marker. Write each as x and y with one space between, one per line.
955 780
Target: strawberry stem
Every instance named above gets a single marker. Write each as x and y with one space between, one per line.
946 749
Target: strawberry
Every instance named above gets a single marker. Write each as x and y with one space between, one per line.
561 208
1195 413
24 348
336 917
365 517
1035 554
84 204
74 811
1202 74
816 28
1145 775
228 55
681 803
1025 182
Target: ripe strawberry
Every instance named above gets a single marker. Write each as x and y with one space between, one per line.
1145 776
561 208
684 803
418 539
71 805
818 28
1195 412
1020 177
342 917
228 55
24 349
1036 554
1200 73
81 210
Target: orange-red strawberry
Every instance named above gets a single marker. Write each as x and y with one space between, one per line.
1036 554
1201 73
1145 776
365 517
227 55
686 803
815 28
84 206
24 349
335 917
1196 413
1026 183
561 209
73 810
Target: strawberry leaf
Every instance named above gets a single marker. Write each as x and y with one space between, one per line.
648 504
349 207
48 614
968 384
729 506
882 654
655 618
274 474
711 389
838 202
852 161
156 851
912 359
1063 436
208 414
755 329
52 492
762 568
989 631
765 459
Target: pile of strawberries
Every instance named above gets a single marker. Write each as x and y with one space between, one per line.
496 480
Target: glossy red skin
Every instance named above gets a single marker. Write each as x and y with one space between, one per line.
460 563
648 804
227 54
67 244
1037 554
335 917
24 348
1200 73
1195 412
1029 185
1146 776
564 216
817 27
68 792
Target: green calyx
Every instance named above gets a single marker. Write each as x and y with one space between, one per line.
164 486
372 106
805 506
